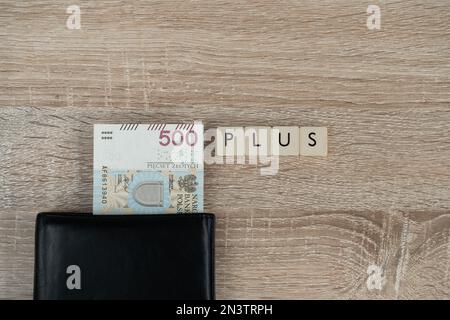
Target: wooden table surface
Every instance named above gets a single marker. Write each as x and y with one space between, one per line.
371 220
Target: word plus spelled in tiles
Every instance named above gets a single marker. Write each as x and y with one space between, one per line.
272 141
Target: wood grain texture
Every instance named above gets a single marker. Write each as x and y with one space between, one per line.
381 197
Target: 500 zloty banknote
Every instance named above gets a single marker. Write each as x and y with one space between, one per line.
148 168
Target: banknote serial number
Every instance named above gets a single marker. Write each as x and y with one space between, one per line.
104 184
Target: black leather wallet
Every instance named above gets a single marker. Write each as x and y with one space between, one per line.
84 256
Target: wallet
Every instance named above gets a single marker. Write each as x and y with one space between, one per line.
85 256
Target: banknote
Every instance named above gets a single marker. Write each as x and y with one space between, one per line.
148 168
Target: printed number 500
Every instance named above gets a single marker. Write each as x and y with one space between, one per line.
177 138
